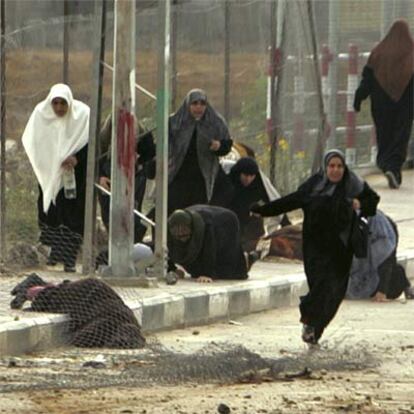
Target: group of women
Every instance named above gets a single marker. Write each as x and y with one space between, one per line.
333 201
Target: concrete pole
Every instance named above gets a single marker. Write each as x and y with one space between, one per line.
334 14
227 31
174 32
123 143
163 88
3 131
65 41
93 146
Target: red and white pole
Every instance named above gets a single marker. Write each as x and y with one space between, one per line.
272 73
374 150
350 152
298 112
326 59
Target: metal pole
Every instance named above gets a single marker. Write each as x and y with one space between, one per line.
174 31
319 75
271 83
164 10
93 146
65 41
123 143
334 12
227 30
3 131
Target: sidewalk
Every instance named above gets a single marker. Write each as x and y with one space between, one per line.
271 285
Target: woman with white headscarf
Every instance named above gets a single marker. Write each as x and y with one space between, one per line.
55 140
330 200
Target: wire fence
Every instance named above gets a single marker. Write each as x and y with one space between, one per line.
36 39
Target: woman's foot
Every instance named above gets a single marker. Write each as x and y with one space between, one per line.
309 335
69 269
51 262
409 292
393 181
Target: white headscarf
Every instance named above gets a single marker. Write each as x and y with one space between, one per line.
49 139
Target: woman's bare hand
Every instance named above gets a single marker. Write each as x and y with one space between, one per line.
204 279
69 163
105 182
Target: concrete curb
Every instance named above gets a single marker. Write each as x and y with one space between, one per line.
173 311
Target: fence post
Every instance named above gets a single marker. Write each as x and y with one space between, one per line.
66 38
326 59
298 111
164 13
350 113
227 32
123 143
374 149
88 256
334 7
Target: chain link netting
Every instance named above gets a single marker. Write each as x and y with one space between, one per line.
156 365
35 41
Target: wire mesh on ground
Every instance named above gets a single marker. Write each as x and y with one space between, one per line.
220 363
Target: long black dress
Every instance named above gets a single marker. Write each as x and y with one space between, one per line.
251 227
221 255
327 259
393 121
188 186
62 226
145 148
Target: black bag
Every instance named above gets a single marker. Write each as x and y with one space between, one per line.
359 237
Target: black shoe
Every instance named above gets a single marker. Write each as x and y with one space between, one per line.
392 180
69 269
252 257
409 292
51 262
32 280
308 334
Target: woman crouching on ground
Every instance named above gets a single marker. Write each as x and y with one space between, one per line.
331 201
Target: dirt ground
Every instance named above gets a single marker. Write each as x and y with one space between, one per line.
365 365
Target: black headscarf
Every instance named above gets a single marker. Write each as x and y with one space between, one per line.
181 129
180 252
353 185
245 165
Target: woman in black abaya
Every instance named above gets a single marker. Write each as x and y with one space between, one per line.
330 200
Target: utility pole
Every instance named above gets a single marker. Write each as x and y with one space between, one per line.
93 145
123 143
164 12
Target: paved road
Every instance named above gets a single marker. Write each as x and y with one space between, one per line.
366 365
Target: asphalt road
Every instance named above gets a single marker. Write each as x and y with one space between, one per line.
365 365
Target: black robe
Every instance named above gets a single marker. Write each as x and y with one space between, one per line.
188 186
327 259
145 148
393 121
62 226
251 227
221 255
